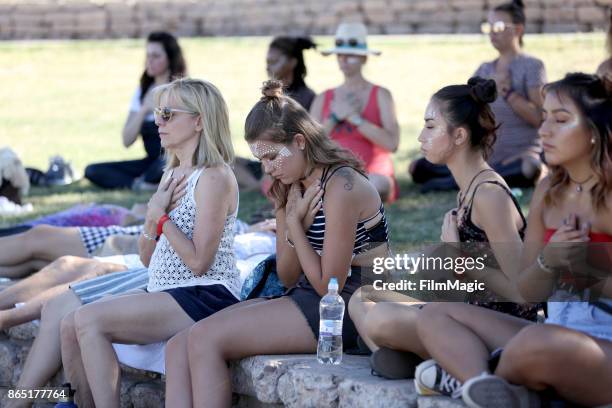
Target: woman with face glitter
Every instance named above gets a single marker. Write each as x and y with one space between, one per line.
358 114
164 62
572 353
330 224
285 62
459 131
519 78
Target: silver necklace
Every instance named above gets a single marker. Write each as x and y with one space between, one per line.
579 184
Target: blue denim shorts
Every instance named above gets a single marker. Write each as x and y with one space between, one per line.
589 318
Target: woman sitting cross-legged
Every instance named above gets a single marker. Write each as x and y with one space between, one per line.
572 353
192 269
330 223
459 131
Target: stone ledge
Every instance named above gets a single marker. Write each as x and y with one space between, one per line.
260 381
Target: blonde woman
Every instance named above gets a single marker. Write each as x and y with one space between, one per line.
188 250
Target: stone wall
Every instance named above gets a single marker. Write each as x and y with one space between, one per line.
135 18
296 381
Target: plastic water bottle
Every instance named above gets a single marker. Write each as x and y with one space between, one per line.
331 310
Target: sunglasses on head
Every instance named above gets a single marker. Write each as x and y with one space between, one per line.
496 27
351 42
166 113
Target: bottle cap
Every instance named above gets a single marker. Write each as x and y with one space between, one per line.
333 284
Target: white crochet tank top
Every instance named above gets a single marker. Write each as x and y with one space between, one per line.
167 270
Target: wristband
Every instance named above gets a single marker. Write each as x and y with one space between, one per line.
508 93
160 224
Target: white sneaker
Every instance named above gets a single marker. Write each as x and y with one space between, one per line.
431 379
492 391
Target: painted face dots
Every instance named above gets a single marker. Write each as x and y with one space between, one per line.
270 154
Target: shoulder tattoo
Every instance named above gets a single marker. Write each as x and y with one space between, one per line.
348 176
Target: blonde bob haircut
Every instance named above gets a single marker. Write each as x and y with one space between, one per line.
196 95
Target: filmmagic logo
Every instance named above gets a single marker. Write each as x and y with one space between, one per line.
430 285
412 264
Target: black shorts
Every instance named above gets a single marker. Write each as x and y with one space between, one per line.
201 301
307 300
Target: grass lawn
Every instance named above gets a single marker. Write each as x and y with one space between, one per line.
71 98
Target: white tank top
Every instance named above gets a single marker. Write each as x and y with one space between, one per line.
167 270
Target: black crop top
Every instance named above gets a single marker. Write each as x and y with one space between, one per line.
364 237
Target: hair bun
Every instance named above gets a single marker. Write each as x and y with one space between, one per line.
272 88
519 3
305 43
482 90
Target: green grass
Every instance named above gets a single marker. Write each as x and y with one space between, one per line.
71 98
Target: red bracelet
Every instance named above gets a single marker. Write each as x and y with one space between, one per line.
160 224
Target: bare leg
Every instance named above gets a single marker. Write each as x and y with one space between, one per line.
359 308
22 269
61 271
27 312
461 337
73 363
131 319
577 366
41 242
71 357
393 325
178 378
43 361
272 327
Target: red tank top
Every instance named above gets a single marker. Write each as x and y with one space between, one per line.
376 159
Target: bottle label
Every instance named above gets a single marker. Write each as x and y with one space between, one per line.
330 327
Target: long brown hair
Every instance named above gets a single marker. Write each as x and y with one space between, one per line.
278 118
593 97
176 61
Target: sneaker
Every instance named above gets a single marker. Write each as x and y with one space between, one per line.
493 391
431 379
60 172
